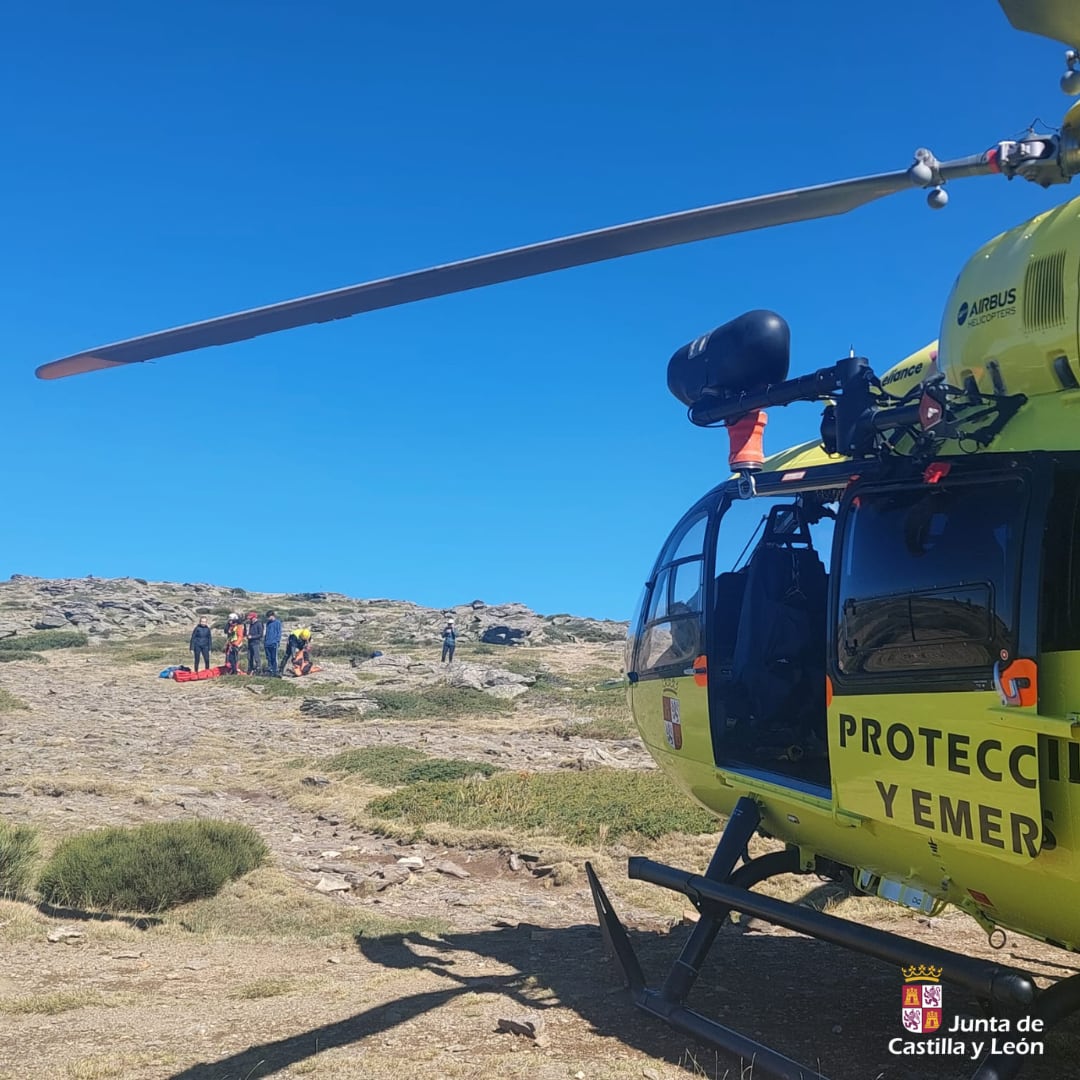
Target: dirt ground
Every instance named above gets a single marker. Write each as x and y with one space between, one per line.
277 978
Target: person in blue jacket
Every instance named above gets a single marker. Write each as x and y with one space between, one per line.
200 643
271 642
449 642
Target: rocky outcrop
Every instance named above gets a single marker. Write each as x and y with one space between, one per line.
503 635
132 607
494 681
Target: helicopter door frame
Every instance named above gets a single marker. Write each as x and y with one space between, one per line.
932 750
1037 485
667 667
776 491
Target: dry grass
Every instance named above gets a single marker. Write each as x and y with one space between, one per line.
9 702
271 961
60 783
269 906
110 1066
20 922
582 807
263 988
51 1004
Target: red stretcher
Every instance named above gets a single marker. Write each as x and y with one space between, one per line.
206 673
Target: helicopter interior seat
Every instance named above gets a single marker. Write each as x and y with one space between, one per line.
730 589
726 702
778 667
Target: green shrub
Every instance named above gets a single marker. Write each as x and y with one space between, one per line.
265 686
389 766
580 630
548 680
152 654
8 701
343 649
151 867
447 769
614 727
18 852
581 806
43 639
593 694
275 688
436 701
382 765
297 613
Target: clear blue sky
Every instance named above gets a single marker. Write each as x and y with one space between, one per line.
166 163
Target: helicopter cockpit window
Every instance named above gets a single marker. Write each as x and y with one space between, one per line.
671 633
634 630
687 541
928 578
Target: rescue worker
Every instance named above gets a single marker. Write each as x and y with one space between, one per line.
271 642
449 642
234 640
299 642
201 640
301 662
254 641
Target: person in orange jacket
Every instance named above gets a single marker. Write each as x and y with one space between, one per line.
234 640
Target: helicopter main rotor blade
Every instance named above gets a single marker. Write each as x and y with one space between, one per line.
1058 20
688 226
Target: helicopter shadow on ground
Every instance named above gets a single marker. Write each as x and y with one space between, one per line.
833 1010
136 922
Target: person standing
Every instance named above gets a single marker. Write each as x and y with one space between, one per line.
201 640
254 641
234 639
449 642
271 642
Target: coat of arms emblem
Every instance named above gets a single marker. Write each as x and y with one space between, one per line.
672 723
921 1012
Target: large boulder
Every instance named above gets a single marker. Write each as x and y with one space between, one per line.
503 635
478 677
50 620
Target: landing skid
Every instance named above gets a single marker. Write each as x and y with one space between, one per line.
723 889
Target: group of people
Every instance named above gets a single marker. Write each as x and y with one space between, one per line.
262 639
265 636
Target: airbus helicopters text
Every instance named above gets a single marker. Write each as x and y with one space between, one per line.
890 682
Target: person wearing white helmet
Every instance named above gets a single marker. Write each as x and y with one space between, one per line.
449 641
234 640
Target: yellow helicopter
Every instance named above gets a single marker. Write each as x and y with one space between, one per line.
889 681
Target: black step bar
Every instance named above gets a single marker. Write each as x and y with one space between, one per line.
723 889
984 978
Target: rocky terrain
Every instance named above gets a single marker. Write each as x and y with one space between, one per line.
369 948
105 608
